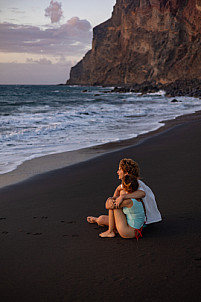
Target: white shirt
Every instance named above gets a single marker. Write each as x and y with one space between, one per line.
152 212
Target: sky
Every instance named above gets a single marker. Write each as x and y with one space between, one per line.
41 40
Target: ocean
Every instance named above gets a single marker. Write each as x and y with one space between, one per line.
41 120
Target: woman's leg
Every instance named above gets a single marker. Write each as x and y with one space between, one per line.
110 232
102 220
124 230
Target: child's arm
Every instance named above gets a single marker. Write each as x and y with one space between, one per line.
110 201
111 205
117 191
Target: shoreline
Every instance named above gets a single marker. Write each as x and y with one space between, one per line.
48 163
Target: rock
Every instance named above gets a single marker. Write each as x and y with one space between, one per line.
183 87
155 41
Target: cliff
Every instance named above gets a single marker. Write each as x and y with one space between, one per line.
145 40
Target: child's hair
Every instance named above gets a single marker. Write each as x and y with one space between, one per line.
130 183
130 166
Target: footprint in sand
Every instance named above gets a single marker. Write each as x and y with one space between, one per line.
74 235
34 233
69 222
198 259
42 217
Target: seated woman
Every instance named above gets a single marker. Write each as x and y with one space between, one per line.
129 217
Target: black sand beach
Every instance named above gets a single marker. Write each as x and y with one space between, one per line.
49 253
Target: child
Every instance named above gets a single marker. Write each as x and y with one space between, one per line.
129 218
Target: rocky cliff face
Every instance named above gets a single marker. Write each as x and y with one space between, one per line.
145 40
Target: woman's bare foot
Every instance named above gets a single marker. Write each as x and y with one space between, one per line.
109 234
92 219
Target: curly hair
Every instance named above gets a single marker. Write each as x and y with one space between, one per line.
130 166
130 183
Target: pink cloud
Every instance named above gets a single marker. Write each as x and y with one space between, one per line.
54 11
72 38
74 27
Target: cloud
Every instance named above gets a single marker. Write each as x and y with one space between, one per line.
42 61
72 38
74 27
54 11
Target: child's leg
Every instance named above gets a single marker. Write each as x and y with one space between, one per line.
110 232
124 230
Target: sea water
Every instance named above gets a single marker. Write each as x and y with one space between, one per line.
40 120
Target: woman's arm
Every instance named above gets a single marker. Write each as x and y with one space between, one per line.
135 195
124 196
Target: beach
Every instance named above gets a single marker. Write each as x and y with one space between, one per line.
50 253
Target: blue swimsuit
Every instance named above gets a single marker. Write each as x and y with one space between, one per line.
135 215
